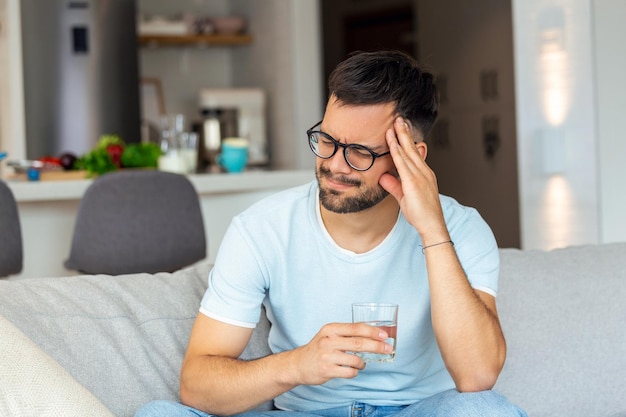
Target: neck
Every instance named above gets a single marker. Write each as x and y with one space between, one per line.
362 231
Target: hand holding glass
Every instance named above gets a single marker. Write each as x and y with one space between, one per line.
380 315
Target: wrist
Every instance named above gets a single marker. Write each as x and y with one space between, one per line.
434 236
434 245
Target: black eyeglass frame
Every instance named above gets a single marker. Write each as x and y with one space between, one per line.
345 147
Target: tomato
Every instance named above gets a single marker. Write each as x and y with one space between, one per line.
115 152
50 160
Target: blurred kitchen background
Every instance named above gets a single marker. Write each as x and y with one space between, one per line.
531 90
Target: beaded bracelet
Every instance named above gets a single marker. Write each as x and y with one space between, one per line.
437 244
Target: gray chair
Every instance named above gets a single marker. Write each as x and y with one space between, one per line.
11 249
137 221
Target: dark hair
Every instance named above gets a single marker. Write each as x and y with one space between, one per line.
387 77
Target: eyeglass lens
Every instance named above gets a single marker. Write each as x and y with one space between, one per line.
357 156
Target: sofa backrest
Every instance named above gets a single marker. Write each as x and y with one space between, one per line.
124 337
563 313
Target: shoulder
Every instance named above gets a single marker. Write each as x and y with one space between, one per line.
467 226
457 214
278 212
281 202
475 244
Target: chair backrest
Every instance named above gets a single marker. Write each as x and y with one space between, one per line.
11 250
137 221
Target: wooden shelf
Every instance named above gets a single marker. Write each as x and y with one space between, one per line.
200 40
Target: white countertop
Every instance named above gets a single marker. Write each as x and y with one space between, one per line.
253 180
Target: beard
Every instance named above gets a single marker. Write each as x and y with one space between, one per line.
336 202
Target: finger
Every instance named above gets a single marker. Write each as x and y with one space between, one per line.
353 330
392 185
405 138
367 331
402 161
361 344
414 153
355 337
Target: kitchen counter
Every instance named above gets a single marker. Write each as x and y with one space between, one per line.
48 210
254 180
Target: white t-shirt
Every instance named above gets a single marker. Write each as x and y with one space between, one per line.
278 253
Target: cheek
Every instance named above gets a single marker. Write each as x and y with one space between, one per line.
388 169
393 172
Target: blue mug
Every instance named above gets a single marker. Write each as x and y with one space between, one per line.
234 155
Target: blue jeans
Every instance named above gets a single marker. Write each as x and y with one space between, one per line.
446 404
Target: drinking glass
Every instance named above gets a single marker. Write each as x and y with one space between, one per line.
381 315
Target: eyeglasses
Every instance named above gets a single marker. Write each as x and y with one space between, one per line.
359 157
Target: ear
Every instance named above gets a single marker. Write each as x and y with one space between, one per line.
422 149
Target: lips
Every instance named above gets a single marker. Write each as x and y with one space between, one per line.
341 183
338 181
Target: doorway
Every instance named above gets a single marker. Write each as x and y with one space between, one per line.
349 26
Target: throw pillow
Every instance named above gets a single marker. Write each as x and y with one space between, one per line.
34 384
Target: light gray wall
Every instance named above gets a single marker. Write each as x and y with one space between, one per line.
184 70
556 123
610 60
285 60
4 71
12 126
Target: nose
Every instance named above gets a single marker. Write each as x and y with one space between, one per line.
338 163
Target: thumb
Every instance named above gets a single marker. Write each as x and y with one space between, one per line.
392 185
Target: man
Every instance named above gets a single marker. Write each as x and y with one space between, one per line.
373 227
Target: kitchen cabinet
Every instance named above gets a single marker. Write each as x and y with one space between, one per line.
199 40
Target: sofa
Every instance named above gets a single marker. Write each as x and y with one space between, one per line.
104 345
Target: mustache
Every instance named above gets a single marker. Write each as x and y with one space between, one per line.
325 172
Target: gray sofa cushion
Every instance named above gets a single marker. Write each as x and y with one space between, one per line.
121 337
563 313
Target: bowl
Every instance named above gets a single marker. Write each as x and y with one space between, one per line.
229 25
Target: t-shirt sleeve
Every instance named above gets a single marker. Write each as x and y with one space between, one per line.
477 250
237 285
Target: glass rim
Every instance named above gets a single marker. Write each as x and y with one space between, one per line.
374 304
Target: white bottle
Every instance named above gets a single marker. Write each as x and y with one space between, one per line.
211 130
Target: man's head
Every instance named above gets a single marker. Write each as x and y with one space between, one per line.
368 91
387 77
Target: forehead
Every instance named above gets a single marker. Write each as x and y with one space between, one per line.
364 124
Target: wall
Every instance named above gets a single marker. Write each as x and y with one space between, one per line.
284 59
4 62
185 70
12 132
610 60
464 43
556 122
